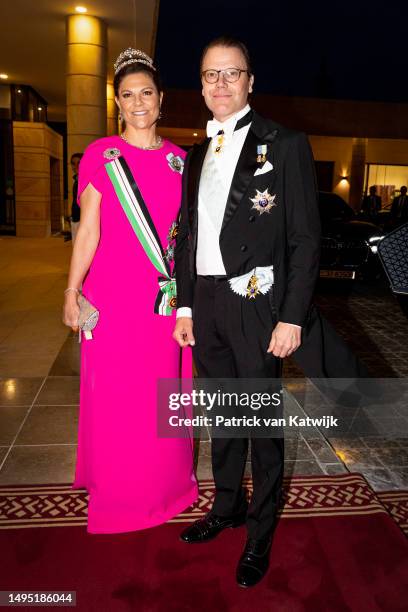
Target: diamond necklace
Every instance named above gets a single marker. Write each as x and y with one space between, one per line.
156 145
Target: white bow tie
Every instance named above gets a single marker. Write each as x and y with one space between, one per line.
214 126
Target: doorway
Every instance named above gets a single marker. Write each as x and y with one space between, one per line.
7 193
324 175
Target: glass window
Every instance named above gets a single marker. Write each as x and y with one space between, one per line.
388 180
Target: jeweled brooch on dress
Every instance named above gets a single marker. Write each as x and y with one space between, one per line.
263 201
172 231
112 153
169 253
176 162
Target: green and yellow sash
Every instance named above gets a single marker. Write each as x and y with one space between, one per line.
138 215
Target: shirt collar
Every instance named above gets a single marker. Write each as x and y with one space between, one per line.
228 126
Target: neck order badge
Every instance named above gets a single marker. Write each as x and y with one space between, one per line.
220 141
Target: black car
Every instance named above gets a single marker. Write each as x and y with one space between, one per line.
349 245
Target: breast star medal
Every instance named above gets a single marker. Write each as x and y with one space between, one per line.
112 153
219 141
252 289
263 201
261 151
176 162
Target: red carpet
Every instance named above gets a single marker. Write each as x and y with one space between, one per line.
336 549
396 504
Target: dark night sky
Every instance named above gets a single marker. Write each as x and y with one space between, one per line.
355 50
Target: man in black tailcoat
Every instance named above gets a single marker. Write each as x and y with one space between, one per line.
247 260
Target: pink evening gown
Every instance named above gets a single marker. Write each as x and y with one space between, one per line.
135 479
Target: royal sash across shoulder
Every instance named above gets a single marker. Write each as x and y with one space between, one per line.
138 215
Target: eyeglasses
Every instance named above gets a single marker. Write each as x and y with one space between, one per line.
231 75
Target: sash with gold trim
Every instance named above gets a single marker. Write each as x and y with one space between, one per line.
138 215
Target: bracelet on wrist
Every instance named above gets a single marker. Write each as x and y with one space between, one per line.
68 289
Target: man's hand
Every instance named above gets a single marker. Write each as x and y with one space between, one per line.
285 339
183 332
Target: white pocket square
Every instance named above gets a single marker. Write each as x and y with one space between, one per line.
267 167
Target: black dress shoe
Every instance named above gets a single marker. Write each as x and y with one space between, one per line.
254 562
210 526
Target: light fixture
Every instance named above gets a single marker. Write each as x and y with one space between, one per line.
81 9
19 91
39 108
10 387
344 177
195 134
3 76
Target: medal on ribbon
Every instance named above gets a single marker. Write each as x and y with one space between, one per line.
257 281
252 289
261 151
166 301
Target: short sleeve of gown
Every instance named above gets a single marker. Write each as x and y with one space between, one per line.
91 170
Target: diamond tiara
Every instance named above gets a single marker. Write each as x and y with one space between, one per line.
132 56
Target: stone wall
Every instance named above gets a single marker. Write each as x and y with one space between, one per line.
34 146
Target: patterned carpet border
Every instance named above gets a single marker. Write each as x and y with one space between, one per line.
304 496
396 504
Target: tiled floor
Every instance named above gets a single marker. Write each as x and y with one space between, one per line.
33 275
39 384
373 324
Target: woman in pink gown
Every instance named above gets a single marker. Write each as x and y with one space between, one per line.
135 478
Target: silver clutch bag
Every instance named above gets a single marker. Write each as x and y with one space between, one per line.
88 317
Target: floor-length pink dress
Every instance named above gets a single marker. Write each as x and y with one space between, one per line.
135 479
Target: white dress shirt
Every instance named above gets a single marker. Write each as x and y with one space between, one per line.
215 183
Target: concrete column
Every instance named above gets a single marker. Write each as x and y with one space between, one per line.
112 111
358 160
86 42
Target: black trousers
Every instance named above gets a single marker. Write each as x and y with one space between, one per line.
232 334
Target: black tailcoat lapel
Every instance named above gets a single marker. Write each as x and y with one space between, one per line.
259 133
